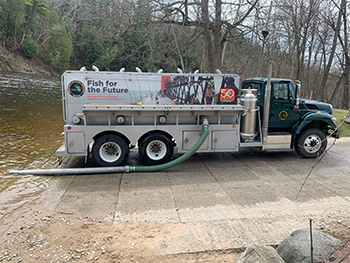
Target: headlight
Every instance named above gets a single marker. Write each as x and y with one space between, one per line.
334 120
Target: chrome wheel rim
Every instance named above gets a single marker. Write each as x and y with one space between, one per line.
312 143
110 152
156 150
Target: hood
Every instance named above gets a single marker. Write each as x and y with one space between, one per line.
317 106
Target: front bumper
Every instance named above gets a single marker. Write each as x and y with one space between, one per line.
335 133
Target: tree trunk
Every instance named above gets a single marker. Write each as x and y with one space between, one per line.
335 91
346 86
207 35
311 47
347 63
217 39
331 56
31 16
178 50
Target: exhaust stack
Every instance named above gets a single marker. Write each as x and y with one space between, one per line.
267 103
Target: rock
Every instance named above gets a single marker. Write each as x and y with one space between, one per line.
260 254
296 248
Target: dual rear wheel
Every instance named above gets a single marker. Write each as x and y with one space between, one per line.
110 150
156 149
113 150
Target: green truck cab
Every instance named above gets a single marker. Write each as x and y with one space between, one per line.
308 122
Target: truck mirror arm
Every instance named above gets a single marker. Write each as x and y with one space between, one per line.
297 93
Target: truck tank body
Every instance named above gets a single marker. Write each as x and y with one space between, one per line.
129 88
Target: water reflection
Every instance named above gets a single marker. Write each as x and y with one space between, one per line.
30 132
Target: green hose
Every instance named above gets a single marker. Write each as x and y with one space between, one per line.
182 158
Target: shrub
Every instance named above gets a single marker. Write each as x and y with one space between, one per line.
30 47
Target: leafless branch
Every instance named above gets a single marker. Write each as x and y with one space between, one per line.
324 153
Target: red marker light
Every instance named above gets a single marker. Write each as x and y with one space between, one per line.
69 127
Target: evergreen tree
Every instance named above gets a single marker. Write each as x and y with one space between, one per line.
12 17
136 42
91 45
35 9
59 50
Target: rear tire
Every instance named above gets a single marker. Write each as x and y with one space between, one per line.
110 150
156 149
311 143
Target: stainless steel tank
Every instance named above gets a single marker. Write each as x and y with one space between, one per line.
248 120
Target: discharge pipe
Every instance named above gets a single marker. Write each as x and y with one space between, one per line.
123 169
267 103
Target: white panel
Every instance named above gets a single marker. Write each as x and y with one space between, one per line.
76 142
225 140
278 142
190 138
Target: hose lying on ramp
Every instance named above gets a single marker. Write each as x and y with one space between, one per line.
123 169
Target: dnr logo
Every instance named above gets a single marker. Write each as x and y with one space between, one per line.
283 115
76 88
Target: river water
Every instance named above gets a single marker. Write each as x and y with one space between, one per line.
31 124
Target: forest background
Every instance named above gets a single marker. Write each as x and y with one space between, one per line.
308 40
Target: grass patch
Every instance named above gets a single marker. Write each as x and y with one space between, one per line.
13 63
340 115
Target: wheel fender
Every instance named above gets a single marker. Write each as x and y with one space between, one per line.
314 117
99 134
153 132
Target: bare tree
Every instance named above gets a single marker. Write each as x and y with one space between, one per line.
297 20
216 26
336 26
346 73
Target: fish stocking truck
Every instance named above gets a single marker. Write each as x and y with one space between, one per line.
109 113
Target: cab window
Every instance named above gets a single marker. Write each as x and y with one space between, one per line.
283 91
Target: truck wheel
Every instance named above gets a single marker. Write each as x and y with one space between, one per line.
110 150
311 143
156 149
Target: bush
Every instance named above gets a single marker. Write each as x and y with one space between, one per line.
30 47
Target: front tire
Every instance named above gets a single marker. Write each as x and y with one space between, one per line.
110 150
311 143
156 149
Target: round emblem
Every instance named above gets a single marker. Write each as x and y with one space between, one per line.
283 115
76 88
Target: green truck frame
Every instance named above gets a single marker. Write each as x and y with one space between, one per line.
308 121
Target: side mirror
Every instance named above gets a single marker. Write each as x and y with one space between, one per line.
297 93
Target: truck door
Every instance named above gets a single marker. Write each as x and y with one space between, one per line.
284 113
